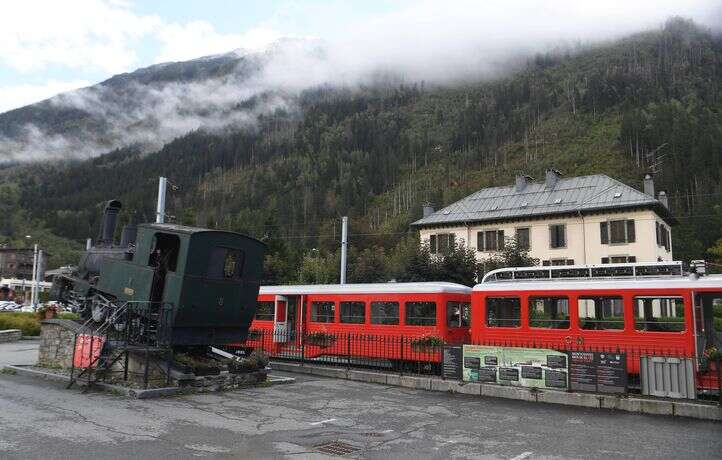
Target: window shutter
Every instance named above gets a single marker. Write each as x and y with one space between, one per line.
432 244
479 241
452 244
570 261
604 232
546 263
631 234
632 259
659 236
500 239
605 260
552 237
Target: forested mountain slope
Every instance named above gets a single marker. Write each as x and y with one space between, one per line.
648 102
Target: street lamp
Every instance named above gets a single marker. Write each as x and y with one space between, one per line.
37 257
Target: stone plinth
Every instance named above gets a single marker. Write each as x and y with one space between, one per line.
57 340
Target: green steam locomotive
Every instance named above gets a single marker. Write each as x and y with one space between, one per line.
205 280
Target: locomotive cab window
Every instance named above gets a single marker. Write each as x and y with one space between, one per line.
457 314
353 312
226 263
385 313
659 314
549 312
601 313
322 312
503 312
264 311
164 252
420 313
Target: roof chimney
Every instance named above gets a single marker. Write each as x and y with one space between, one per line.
553 176
522 180
427 209
649 184
663 199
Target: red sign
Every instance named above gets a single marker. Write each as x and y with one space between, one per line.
87 350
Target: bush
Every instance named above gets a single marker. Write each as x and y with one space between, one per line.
26 322
427 341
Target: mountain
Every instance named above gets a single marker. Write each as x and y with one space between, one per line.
648 102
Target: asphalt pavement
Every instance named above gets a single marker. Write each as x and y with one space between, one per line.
40 419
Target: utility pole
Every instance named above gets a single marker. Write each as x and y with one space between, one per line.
344 247
33 286
160 210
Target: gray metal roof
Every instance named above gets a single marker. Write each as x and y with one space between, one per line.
568 195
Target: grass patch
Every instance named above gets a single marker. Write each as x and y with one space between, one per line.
8 371
26 322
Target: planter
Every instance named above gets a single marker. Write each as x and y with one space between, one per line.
51 314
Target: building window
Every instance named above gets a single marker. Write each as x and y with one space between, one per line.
549 312
663 236
420 313
265 311
384 313
600 313
523 238
557 262
558 236
659 314
490 240
619 259
503 312
441 243
617 231
353 312
322 312
457 314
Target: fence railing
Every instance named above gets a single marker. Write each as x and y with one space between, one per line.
423 355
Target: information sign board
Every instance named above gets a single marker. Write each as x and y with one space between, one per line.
526 367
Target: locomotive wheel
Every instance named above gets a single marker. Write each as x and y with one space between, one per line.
99 312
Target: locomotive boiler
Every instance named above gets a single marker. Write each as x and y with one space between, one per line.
199 285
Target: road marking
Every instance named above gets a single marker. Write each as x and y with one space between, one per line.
522 456
387 431
323 421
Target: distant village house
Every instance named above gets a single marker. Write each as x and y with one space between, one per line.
561 221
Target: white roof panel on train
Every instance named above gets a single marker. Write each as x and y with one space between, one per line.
369 288
680 282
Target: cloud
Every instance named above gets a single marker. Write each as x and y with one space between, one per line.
12 96
426 40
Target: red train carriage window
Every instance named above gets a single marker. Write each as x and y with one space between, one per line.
457 314
503 312
353 312
420 313
264 311
549 312
322 312
601 313
384 313
659 314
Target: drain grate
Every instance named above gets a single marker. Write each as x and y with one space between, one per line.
336 448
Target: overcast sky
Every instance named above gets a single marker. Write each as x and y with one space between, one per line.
51 46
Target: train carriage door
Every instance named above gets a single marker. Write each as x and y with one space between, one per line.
280 320
704 306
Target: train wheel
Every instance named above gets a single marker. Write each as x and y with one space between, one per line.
99 312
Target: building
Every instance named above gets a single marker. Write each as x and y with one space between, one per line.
16 263
562 221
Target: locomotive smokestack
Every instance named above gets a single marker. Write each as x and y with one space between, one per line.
129 233
110 218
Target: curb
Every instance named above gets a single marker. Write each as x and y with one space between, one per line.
125 391
632 404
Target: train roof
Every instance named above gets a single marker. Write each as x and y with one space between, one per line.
186 230
368 288
678 282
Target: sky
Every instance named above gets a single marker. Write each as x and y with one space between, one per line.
49 46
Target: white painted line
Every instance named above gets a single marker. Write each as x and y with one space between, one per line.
522 456
387 431
323 421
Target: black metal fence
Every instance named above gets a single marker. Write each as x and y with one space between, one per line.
424 355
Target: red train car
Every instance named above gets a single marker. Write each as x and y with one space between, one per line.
650 311
386 321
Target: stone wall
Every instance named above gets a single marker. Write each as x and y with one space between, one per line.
57 340
10 335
